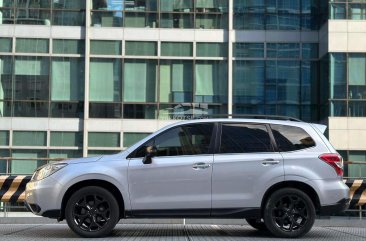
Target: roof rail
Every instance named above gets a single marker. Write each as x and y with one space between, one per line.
267 117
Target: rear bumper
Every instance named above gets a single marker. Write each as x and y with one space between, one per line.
337 208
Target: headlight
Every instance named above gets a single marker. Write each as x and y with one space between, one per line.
47 170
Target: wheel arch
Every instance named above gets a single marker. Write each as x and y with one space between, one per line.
293 184
93 182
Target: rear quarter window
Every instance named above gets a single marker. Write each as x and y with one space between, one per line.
291 138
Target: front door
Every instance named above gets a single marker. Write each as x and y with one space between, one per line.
178 181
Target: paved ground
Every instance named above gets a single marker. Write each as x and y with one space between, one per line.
172 232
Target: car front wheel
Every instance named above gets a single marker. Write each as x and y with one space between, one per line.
92 212
289 213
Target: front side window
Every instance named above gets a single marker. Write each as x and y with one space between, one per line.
181 140
244 138
291 138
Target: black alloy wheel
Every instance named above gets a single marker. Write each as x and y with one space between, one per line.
289 213
92 212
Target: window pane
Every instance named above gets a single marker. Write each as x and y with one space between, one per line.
30 109
283 50
68 46
105 47
139 80
26 167
310 50
131 138
357 108
338 75
337 11
68 18
249 21
4 138
67 109
248 50
140 20
29 138
139 111
211 20
105 80
3 167
31 78
6 83
176 5
141 48
211 50
176 81
105 110
309 82
138 5
357 170
5 108
5 44
248 82
67 79
66 139
31 45
106 18
176 49
32 16
212 5
290 138
338 108
176 20
357 79
99 139
184 140
244 138
211 81
282 82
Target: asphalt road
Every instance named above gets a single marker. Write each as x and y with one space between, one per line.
172 232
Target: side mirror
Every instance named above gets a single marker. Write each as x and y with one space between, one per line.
151 151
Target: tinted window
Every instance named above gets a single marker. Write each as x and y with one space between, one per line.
182 140
244 138
290 138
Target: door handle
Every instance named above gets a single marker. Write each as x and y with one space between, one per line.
200 166
270 162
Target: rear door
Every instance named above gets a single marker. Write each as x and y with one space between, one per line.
245 165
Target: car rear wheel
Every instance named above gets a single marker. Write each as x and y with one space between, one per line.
257 224
289 213
92 212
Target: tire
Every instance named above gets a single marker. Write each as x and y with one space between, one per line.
257 224
92 212
289 213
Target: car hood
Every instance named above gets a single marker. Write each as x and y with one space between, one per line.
115 157
82 160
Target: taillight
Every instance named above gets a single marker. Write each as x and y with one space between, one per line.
335 161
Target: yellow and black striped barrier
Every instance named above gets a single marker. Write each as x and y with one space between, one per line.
12 188
357 192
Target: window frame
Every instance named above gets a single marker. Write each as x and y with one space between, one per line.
269 131
211 149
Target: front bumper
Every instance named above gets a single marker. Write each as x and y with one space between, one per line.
337 208
42 197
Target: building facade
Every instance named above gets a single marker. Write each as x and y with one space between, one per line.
90 77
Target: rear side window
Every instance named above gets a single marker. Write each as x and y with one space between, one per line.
244 138
291 138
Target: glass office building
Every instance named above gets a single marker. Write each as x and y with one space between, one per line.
89 77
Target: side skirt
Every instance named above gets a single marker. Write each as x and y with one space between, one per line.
196 213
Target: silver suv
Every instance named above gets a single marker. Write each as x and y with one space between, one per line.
277 174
